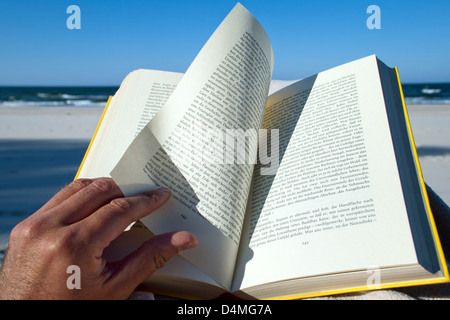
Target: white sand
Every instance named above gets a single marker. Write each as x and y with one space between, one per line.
431 130
48 122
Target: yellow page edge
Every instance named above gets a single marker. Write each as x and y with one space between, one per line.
93 138
392 285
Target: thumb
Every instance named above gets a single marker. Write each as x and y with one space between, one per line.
150 256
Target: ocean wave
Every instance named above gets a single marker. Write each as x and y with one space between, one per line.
85 103
66 96
425 100
427 93
431 91
83 97
55 96
67 103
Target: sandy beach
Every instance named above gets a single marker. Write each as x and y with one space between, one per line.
431 129
42 147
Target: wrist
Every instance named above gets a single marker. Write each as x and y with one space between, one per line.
4 292
8 289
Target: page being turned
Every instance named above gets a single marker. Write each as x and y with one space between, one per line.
220 99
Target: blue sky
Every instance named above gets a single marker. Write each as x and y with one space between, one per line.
118 36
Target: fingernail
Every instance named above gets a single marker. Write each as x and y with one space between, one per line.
185 240
189 245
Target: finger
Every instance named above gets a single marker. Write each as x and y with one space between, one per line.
65 193
87 200
109 221
139 265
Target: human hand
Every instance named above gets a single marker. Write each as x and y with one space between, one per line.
74 228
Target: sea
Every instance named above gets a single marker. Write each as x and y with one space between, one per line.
418 93
56 96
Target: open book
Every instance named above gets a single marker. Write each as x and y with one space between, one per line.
311 190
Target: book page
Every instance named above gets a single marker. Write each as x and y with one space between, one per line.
139 98
335 204
220 98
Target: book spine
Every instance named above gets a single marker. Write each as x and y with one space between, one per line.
422 184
